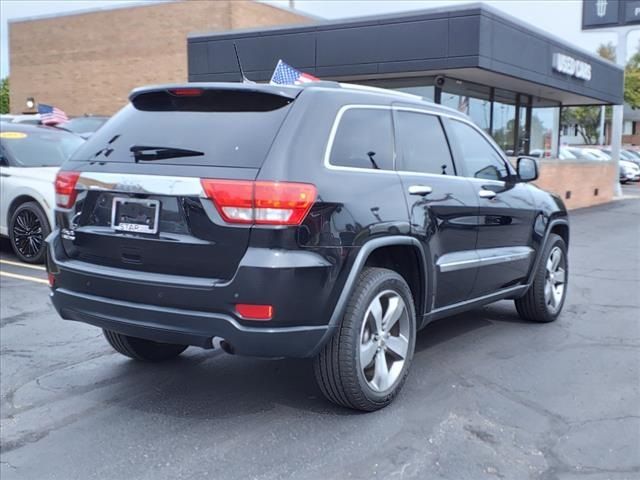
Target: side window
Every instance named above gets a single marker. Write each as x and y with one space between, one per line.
479 157
423 145
364 139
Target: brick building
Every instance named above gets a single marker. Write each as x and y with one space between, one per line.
88 62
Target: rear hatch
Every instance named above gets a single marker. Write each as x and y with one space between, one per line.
140 203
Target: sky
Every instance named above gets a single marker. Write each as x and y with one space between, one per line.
561 18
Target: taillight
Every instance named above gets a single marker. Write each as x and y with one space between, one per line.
66 188
261 203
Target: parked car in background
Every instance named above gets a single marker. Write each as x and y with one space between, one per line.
584 154
30 156
629 171
600 154
625 155
84 126
563 154
30 119
322 221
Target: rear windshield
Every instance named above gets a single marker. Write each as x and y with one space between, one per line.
225 137
40 147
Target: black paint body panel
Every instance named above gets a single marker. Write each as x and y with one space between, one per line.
189 278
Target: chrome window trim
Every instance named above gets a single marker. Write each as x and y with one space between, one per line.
424 110
461 260
138 183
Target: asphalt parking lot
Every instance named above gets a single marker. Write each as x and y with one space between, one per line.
489 396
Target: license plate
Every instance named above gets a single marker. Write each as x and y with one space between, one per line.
135 215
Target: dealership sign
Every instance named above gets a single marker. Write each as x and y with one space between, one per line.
610 13
570 66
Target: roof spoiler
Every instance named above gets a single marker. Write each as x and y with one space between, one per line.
213 97
177 89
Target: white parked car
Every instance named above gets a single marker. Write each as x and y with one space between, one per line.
596 152
629 172
30 157
563 154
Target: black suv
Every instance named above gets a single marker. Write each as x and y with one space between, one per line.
324 221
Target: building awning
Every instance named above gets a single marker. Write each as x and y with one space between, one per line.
470 42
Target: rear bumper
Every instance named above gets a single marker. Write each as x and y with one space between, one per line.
185 327
302 287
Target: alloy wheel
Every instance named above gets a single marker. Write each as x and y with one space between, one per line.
556 275
27 233
384 340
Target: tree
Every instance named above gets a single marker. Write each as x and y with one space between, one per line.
608 51
632 80
4 95
586 118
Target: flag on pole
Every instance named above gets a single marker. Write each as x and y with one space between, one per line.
463 104
51 115
287 75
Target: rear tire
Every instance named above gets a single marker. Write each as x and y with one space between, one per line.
28 228
141 349
544 300
365 364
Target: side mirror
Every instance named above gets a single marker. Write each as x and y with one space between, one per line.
527 169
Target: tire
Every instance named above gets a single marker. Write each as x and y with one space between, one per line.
338 366
28 228
538 305
141 349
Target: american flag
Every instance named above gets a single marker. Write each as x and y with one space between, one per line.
287 75
463 104
51 115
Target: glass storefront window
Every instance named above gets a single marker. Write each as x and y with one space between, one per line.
504 120
421 86
469 98
542 129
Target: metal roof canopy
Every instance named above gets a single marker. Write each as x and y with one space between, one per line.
471 42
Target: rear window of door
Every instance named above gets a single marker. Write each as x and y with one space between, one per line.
480 159
423 145
364 139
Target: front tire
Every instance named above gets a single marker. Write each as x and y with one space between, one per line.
365 364
28 228
141 349
544 300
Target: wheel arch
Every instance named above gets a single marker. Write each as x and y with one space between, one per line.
385 252
19 200
559 226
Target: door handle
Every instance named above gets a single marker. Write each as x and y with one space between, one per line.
420 190
486 193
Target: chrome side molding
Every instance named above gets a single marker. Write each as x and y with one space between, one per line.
451 262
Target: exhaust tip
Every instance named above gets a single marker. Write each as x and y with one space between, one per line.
227 347
221 343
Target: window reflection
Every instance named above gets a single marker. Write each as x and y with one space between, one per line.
542 128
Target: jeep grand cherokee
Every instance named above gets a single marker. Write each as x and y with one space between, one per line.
323 221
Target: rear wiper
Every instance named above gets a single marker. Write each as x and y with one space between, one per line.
146 152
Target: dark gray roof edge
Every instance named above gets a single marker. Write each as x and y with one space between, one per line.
499 15
324 24
411 16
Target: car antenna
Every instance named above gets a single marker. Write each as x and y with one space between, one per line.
244 78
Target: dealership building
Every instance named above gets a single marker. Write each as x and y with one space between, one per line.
511 78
